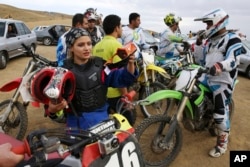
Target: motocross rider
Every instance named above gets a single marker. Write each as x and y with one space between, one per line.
222 52
169 38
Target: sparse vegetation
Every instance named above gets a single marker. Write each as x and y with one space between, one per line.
32 17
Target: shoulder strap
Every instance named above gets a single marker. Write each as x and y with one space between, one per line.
99 62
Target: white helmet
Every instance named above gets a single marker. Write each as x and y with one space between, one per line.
219 19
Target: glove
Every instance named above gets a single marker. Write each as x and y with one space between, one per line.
216 69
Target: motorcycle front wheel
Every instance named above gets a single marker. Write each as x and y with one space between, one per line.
150 134
17 122
158 107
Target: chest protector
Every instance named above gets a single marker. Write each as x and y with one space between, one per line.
90 92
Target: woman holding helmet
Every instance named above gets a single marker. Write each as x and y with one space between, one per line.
169 37
89 105
221 57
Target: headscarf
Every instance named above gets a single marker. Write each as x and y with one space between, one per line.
74 34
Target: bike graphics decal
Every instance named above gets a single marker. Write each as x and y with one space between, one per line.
127 155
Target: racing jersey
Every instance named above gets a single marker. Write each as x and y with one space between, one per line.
136 36
168 46
224 49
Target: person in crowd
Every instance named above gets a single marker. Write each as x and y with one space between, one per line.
96 32
99 20
190 35
79 21
134 33
222 52
90 11
107 48
89 105
169 38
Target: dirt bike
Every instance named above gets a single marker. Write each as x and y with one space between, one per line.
191 105
147 82
174 65
109 143
13 115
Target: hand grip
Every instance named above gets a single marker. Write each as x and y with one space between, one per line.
22 149
130 95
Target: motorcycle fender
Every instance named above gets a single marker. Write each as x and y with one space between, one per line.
11 85
152 67
162 94
155 68
124 124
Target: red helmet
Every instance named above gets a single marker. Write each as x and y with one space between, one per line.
52 84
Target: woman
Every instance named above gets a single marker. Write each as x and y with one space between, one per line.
89 106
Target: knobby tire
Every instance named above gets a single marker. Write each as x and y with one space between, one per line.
20 117
149 141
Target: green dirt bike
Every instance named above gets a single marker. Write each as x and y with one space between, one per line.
191 105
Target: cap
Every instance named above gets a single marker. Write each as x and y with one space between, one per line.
91 17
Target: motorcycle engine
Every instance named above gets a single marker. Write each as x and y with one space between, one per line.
203 114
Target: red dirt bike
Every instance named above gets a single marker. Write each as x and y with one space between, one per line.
110 143
13 115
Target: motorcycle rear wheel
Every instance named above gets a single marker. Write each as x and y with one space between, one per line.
17 122
156 153
158 107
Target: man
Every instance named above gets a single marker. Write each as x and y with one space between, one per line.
168 46
78 21
96 32
133 33
107 48
222 52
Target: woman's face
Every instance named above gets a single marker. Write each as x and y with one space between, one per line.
81 49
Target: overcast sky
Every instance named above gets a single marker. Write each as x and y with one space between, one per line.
152 11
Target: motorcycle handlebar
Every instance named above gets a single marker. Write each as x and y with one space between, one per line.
45 61
38 57
130 95
22 149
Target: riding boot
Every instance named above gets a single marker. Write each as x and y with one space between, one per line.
221 145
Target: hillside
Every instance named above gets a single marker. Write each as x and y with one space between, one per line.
32 17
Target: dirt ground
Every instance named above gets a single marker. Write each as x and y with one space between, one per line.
195 146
